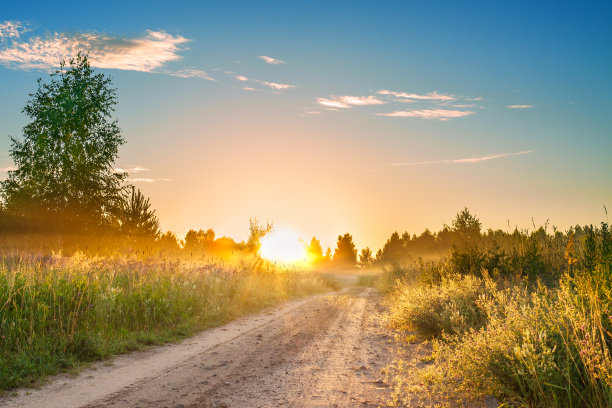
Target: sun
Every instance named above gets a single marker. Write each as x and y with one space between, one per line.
282 245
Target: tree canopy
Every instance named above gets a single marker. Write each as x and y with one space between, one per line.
65 176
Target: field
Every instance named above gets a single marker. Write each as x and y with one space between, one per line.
58 312
527 321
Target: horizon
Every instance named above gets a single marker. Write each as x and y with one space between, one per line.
327 119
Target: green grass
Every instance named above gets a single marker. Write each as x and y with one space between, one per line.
57 313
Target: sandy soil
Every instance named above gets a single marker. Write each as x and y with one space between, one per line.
322 351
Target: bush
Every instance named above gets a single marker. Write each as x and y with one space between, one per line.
452 307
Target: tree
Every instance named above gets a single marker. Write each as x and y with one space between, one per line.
315 251
394 249
365 257
65 177
169 241
379 256
200 240
345 253
137 218
256 233
467 225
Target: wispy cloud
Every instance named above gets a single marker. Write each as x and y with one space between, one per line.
437 114
466 160
12 29
432 96
248 88
271 60
347 101
132 168
190 73
332 103
147 180
141 180
241 78
9 168
147 53
520 106
275 85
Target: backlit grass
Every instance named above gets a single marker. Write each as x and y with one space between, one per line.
57 312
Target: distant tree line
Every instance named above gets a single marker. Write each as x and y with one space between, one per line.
65 185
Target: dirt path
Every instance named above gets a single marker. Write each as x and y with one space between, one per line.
323 351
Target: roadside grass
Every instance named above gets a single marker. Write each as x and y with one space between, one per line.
528 345
528 321
57 313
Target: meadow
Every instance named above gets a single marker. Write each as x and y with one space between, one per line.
525 317
58 312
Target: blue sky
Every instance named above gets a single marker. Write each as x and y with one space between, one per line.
503 107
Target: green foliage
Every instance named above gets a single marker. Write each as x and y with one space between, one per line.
65 178
58 312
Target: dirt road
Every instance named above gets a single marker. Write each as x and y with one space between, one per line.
322 351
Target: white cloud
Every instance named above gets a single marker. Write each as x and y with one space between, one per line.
241 78
438 114
146 53
248 88
433 96
466 160
190 73
147 180
12 29
346 101
132 168
361 100
271 60
332 103
275 85
468 105
520 106
141 180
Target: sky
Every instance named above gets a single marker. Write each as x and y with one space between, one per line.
333 117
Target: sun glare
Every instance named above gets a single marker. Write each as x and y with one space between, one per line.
282 245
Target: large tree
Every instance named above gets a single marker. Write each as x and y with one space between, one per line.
65 177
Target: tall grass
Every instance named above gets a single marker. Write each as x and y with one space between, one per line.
56 312
529 341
